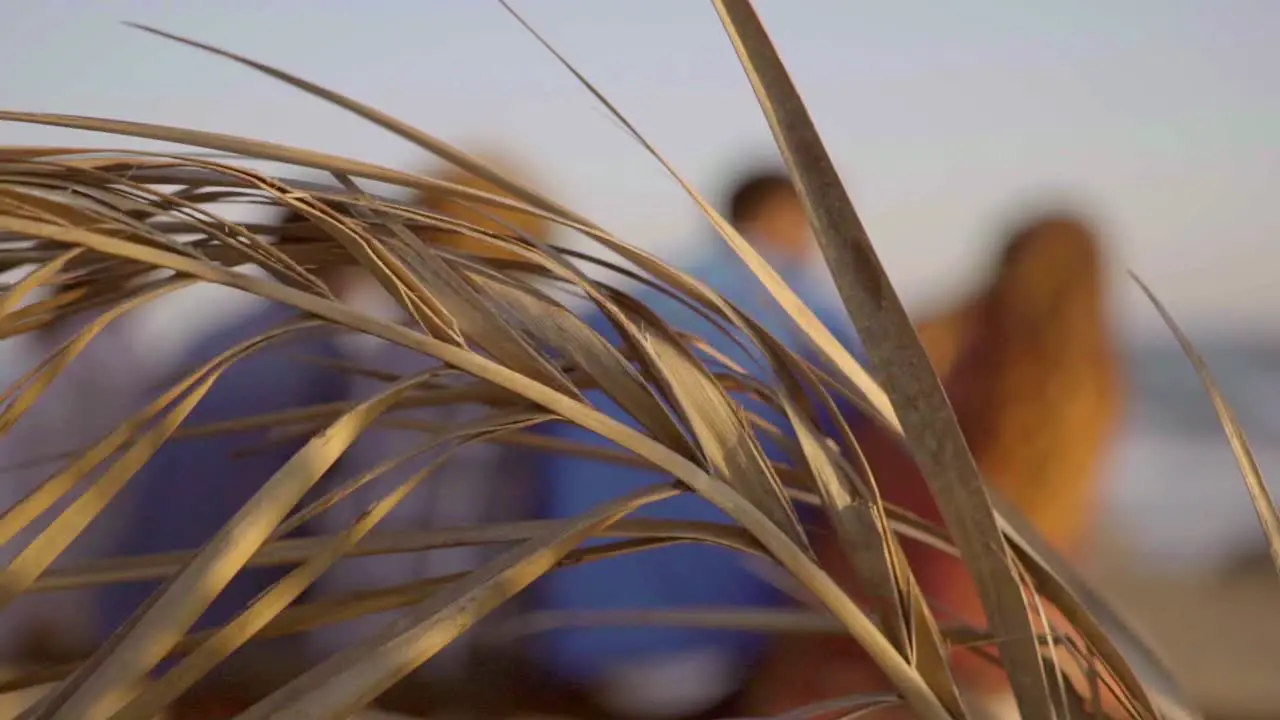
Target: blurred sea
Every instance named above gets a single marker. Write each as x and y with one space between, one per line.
1175 491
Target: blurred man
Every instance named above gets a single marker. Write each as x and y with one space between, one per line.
658 671
193 485
1031 370
93 394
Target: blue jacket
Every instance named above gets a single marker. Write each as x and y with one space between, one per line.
193 485
687 575
94 394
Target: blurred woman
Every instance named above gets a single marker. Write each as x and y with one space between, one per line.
1031 370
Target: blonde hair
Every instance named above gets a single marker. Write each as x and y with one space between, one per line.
499 221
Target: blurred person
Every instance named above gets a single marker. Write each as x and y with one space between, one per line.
89 397
473 486
194 484
669 671
1032 372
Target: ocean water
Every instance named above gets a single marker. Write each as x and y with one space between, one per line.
1174 489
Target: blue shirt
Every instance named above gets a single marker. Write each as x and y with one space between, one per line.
94 394
193 485
687 575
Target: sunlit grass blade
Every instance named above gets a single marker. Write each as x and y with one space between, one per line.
803 316
1124 652
227 639
63 530
36 503
1249 470
292 551
928 423
153 631
349 680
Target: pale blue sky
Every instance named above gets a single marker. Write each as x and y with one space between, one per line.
1160 116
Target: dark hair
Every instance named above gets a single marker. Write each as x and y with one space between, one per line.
756 189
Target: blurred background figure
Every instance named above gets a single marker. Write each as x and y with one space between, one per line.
98 390
1035 382
474 485
666 671
195 484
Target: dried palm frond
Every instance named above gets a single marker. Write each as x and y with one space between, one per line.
114 230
